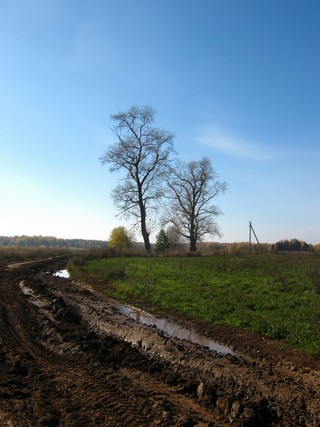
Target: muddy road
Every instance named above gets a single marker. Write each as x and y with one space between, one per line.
71 357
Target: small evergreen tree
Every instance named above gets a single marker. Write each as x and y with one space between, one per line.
162 242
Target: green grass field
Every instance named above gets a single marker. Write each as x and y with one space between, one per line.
274 295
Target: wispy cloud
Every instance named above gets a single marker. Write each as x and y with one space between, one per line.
232 145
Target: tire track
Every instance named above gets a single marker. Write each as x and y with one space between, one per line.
65 362
43 388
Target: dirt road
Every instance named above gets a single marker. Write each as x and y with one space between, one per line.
70 357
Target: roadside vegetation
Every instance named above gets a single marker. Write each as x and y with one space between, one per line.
15 254
277 296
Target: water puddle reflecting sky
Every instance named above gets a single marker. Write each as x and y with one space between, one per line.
169 328
62 273
173 329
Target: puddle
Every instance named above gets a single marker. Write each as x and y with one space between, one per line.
62 273
173 329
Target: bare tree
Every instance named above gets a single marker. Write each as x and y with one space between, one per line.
143 152
192 186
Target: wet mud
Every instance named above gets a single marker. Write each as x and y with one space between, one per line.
70 356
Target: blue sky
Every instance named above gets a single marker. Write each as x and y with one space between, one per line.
237 81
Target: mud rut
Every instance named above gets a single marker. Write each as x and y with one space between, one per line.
68 357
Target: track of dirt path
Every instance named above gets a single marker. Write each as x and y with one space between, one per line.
69 357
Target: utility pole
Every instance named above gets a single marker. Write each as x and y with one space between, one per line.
252 230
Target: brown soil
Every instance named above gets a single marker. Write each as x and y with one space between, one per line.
68 357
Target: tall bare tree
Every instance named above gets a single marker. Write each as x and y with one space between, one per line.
143 152
192 186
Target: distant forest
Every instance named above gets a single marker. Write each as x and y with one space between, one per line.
50 242
293 245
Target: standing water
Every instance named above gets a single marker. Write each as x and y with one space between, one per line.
170 328
173 329
62 273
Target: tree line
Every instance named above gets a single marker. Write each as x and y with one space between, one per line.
157 186
293 245
169 241
50 242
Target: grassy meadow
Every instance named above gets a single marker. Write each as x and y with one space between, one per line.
277 296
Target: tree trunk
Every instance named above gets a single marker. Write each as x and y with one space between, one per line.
145 235
193 245
144 230
193 240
